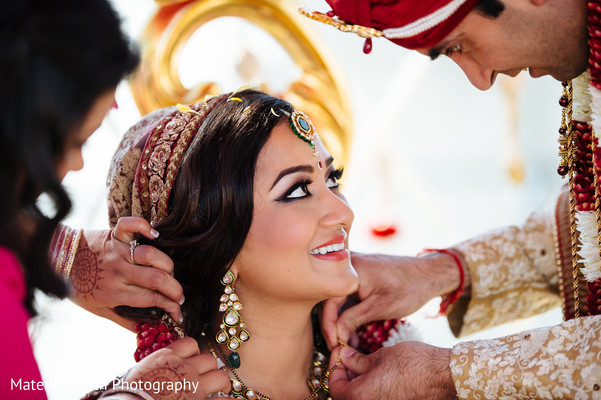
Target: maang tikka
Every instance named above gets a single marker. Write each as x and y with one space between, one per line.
302 127
232 321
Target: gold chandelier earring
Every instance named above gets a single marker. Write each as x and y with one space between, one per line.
233 330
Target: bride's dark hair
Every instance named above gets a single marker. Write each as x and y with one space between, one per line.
211 204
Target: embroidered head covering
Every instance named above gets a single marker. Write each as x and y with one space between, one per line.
146 163
412 24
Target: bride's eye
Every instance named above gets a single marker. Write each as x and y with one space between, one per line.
298 191
332 181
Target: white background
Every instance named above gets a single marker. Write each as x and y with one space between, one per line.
430 154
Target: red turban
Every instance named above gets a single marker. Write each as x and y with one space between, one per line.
412 24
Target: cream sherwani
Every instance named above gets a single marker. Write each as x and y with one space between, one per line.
514 275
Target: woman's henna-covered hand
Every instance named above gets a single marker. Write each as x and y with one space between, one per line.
103 275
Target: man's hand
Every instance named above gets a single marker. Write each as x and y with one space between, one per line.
103 275
389 287
180 363
408 371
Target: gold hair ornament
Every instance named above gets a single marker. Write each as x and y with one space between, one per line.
341 25
302 127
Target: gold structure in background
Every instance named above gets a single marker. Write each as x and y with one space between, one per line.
319 91
516 164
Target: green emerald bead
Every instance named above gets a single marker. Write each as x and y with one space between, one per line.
234 360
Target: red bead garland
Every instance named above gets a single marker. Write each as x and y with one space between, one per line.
594 30
593 299
584 186
373 335
153 336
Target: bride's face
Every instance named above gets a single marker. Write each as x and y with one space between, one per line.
299 213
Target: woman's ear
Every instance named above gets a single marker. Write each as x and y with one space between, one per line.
234 270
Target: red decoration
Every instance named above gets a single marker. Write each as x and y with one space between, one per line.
593 298
153 336
368 46
386 14
384 230
584 187
585 190
373 335
454 296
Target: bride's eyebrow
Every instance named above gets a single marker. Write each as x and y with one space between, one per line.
298 168
292 170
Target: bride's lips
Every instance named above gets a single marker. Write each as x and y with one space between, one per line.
334 256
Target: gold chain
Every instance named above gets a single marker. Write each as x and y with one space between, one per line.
558 259
323 385
568 161
597 190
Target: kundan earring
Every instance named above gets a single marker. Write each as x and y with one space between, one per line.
233 331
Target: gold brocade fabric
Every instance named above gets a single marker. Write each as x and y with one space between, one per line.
514 275
561 362
144 167
123 197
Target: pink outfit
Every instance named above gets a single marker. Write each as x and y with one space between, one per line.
19 373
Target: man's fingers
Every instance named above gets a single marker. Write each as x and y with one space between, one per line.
329 317
155 279
127 228
148 255
340 385
355 362
355 316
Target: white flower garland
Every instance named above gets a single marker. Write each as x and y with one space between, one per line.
586 95
581 98
402 332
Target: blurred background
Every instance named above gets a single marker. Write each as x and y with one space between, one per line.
429 160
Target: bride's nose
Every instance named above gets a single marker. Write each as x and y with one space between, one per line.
336 211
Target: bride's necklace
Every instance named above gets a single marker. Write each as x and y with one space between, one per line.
318 380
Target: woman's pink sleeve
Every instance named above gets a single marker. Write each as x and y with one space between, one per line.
19 371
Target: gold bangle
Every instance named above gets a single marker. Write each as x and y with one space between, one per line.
74 246
55 248
64 249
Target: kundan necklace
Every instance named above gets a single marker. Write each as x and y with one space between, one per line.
581 160
318 380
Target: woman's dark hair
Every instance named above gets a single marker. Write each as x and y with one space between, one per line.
211 204
57 58
490 8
